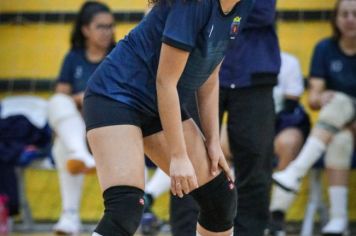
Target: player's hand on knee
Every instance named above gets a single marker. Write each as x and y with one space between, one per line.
226 168
217 158
183 178
215 153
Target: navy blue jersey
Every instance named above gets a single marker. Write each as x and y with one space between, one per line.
254 58
76 70
128 74
332 65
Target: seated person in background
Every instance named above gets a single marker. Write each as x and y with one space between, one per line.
333 91
292 128
24 137
91 40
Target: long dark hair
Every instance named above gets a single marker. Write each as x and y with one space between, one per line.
86 14
336 31
152 2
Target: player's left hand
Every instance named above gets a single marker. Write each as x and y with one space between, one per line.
326 97
217 158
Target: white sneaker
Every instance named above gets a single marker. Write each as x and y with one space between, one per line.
77 166
287 180
336 226
68 224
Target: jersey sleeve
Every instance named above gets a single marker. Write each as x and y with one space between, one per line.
66 74
185 21
318 67
294 84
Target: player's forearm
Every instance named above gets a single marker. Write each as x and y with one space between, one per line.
208 102
316 88
170 114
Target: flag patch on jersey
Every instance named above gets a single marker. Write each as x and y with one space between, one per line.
234 29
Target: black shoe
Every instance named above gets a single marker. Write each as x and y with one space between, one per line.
149 200
150 224
276 226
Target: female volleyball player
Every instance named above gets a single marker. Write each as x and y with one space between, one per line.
135 103
333 91
91 40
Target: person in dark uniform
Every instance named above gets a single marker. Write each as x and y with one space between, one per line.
135 104
247 77
91 40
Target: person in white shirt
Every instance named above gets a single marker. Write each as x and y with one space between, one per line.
292 128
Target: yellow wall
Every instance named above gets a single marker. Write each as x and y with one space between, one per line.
44 198
299 38
126 5
37 50
305 4
43 194
66 5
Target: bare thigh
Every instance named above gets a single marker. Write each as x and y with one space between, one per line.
156 148
287 145
118 153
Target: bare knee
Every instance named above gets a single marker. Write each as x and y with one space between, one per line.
288 142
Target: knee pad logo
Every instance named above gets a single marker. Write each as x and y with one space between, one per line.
142 201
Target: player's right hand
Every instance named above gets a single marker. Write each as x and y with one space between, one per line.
183 177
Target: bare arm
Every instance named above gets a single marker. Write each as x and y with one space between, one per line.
208 102
171 65
67 89
291 97
63 88
316 88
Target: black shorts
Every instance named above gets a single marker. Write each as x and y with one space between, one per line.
100 111
298 119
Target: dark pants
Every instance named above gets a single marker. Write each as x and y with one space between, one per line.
251 122
251 134
183 215
9 187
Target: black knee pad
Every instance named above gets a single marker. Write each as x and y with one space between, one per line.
218 204
123 210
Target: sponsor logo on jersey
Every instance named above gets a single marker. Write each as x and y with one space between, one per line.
231 186
234 29
336 66
78 73
141 201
